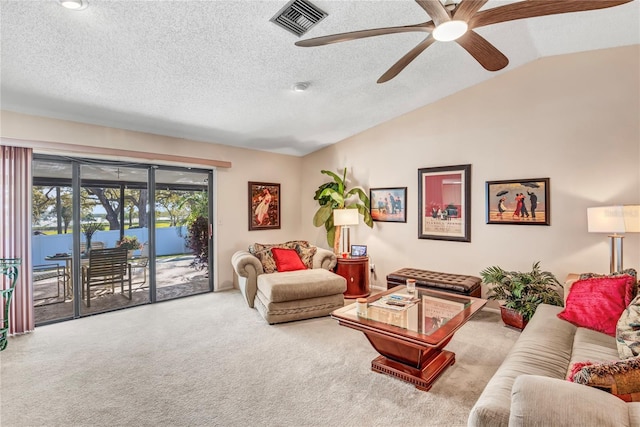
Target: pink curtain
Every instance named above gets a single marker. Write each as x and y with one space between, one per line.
15 230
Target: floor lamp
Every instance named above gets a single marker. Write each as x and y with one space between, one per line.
615 220
345 218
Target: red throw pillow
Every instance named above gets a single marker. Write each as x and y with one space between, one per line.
289 260
598 303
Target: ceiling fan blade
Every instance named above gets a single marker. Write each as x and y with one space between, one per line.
467 8
483 51
406 59
530 9
435 10
354 35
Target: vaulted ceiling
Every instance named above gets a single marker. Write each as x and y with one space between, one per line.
221 72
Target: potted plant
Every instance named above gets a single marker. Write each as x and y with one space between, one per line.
130 243
520 293
334 195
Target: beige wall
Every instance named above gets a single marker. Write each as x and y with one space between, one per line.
231 189
574 119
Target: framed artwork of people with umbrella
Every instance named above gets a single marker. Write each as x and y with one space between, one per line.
518 201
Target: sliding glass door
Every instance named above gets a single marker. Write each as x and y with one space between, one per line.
182 233
94 220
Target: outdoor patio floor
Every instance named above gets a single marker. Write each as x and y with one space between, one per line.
175 278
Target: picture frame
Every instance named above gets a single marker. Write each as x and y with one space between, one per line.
264 206
502 202
388 204
444 203
358 251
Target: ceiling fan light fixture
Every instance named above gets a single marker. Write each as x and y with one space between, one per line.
301 86
450 30
74 4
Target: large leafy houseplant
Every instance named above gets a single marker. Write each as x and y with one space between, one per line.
522 291
334 195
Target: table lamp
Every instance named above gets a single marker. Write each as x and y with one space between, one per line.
615 220
345 218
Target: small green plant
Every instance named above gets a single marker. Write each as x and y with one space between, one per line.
522 291
130 243
334 195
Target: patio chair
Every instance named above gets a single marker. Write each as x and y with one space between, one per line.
51 271
141 262
106 267
94 245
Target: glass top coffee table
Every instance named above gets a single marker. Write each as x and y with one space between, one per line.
410 331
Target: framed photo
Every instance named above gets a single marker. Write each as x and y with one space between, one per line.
264 206
358 251
444 203
518 201
389 204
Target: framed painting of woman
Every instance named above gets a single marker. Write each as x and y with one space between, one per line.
264 206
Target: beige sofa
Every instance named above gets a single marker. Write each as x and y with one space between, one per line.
529 387
291 295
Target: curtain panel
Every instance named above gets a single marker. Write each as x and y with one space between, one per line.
15 230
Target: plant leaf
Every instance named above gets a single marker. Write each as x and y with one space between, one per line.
322 215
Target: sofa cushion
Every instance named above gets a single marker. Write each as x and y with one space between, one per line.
291 244
592 346
306 254
628 330
598 303
541 401
287 260
303 284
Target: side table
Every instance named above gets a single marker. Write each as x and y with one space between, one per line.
356 271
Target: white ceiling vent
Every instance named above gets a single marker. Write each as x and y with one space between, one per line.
298 16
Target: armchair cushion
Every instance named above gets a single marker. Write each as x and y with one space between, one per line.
306 254
287 260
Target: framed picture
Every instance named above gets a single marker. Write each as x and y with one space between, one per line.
518 201
264 206
389 204
358 251
444 203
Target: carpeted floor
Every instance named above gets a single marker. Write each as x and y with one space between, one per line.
210 360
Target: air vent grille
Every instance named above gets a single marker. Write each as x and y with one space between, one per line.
298 16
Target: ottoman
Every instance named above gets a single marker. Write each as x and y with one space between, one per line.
447 282
296 295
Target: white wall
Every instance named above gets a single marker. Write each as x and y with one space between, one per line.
573 119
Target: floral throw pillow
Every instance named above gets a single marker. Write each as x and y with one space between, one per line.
266 258
628 331
306 254
621 378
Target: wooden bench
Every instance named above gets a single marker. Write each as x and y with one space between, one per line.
455 283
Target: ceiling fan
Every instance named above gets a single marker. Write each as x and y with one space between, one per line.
456 22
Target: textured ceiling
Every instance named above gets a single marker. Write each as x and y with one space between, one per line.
220 72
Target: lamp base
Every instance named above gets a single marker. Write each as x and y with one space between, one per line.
615 260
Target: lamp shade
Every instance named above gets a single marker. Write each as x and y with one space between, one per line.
345 217
614 219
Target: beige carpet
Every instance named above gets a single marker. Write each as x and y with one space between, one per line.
210 360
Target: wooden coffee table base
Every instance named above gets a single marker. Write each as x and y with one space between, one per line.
418 364
423 378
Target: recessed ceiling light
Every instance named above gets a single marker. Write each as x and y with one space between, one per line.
450 30
74 4
301 86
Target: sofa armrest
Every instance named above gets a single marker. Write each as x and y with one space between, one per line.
247 267
324 258
544 401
